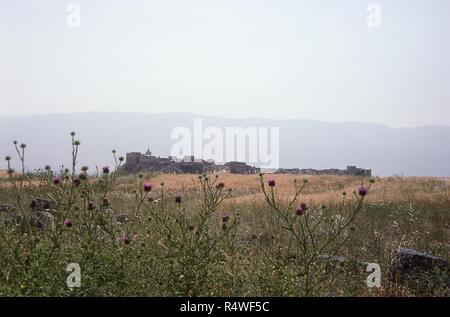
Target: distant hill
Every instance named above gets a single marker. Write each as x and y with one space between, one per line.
420 151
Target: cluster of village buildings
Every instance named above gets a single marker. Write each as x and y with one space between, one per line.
138 162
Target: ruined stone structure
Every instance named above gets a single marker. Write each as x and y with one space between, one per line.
351 170
138 162
240 168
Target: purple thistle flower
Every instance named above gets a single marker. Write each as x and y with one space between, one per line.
126 240
56 180
220 185
225 218
76 182
105 169
303 206
271 183
90 206
362 191
148 186
299 211
178 199
33 204
68 223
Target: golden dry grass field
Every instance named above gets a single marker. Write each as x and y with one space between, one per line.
321 188
247 244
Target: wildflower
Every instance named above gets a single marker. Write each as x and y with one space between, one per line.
362 191
77 143
72 133
8 158
178 199
148 186
84 168
271 183
121 159
76 182
23 145
225 218
344 193
68 223
90 206
105 202
126 239
220 185
48 167
114 151
190 227
105 170
33 204
56 180
301 210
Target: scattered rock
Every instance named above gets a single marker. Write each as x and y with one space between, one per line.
122 218
44 219
420 271
42 204
342 263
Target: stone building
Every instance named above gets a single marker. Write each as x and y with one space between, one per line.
351 170
138 162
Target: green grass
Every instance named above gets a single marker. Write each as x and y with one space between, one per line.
188 250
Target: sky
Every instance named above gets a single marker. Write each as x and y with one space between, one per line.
279 59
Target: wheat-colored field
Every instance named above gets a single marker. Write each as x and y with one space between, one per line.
170 248
320 189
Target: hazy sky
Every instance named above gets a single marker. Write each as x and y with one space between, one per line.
235 58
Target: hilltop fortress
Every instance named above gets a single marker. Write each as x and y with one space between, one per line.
138 162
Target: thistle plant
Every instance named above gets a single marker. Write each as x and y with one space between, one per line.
193 246
316 235
141 235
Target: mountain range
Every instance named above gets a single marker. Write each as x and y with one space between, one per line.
418 151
